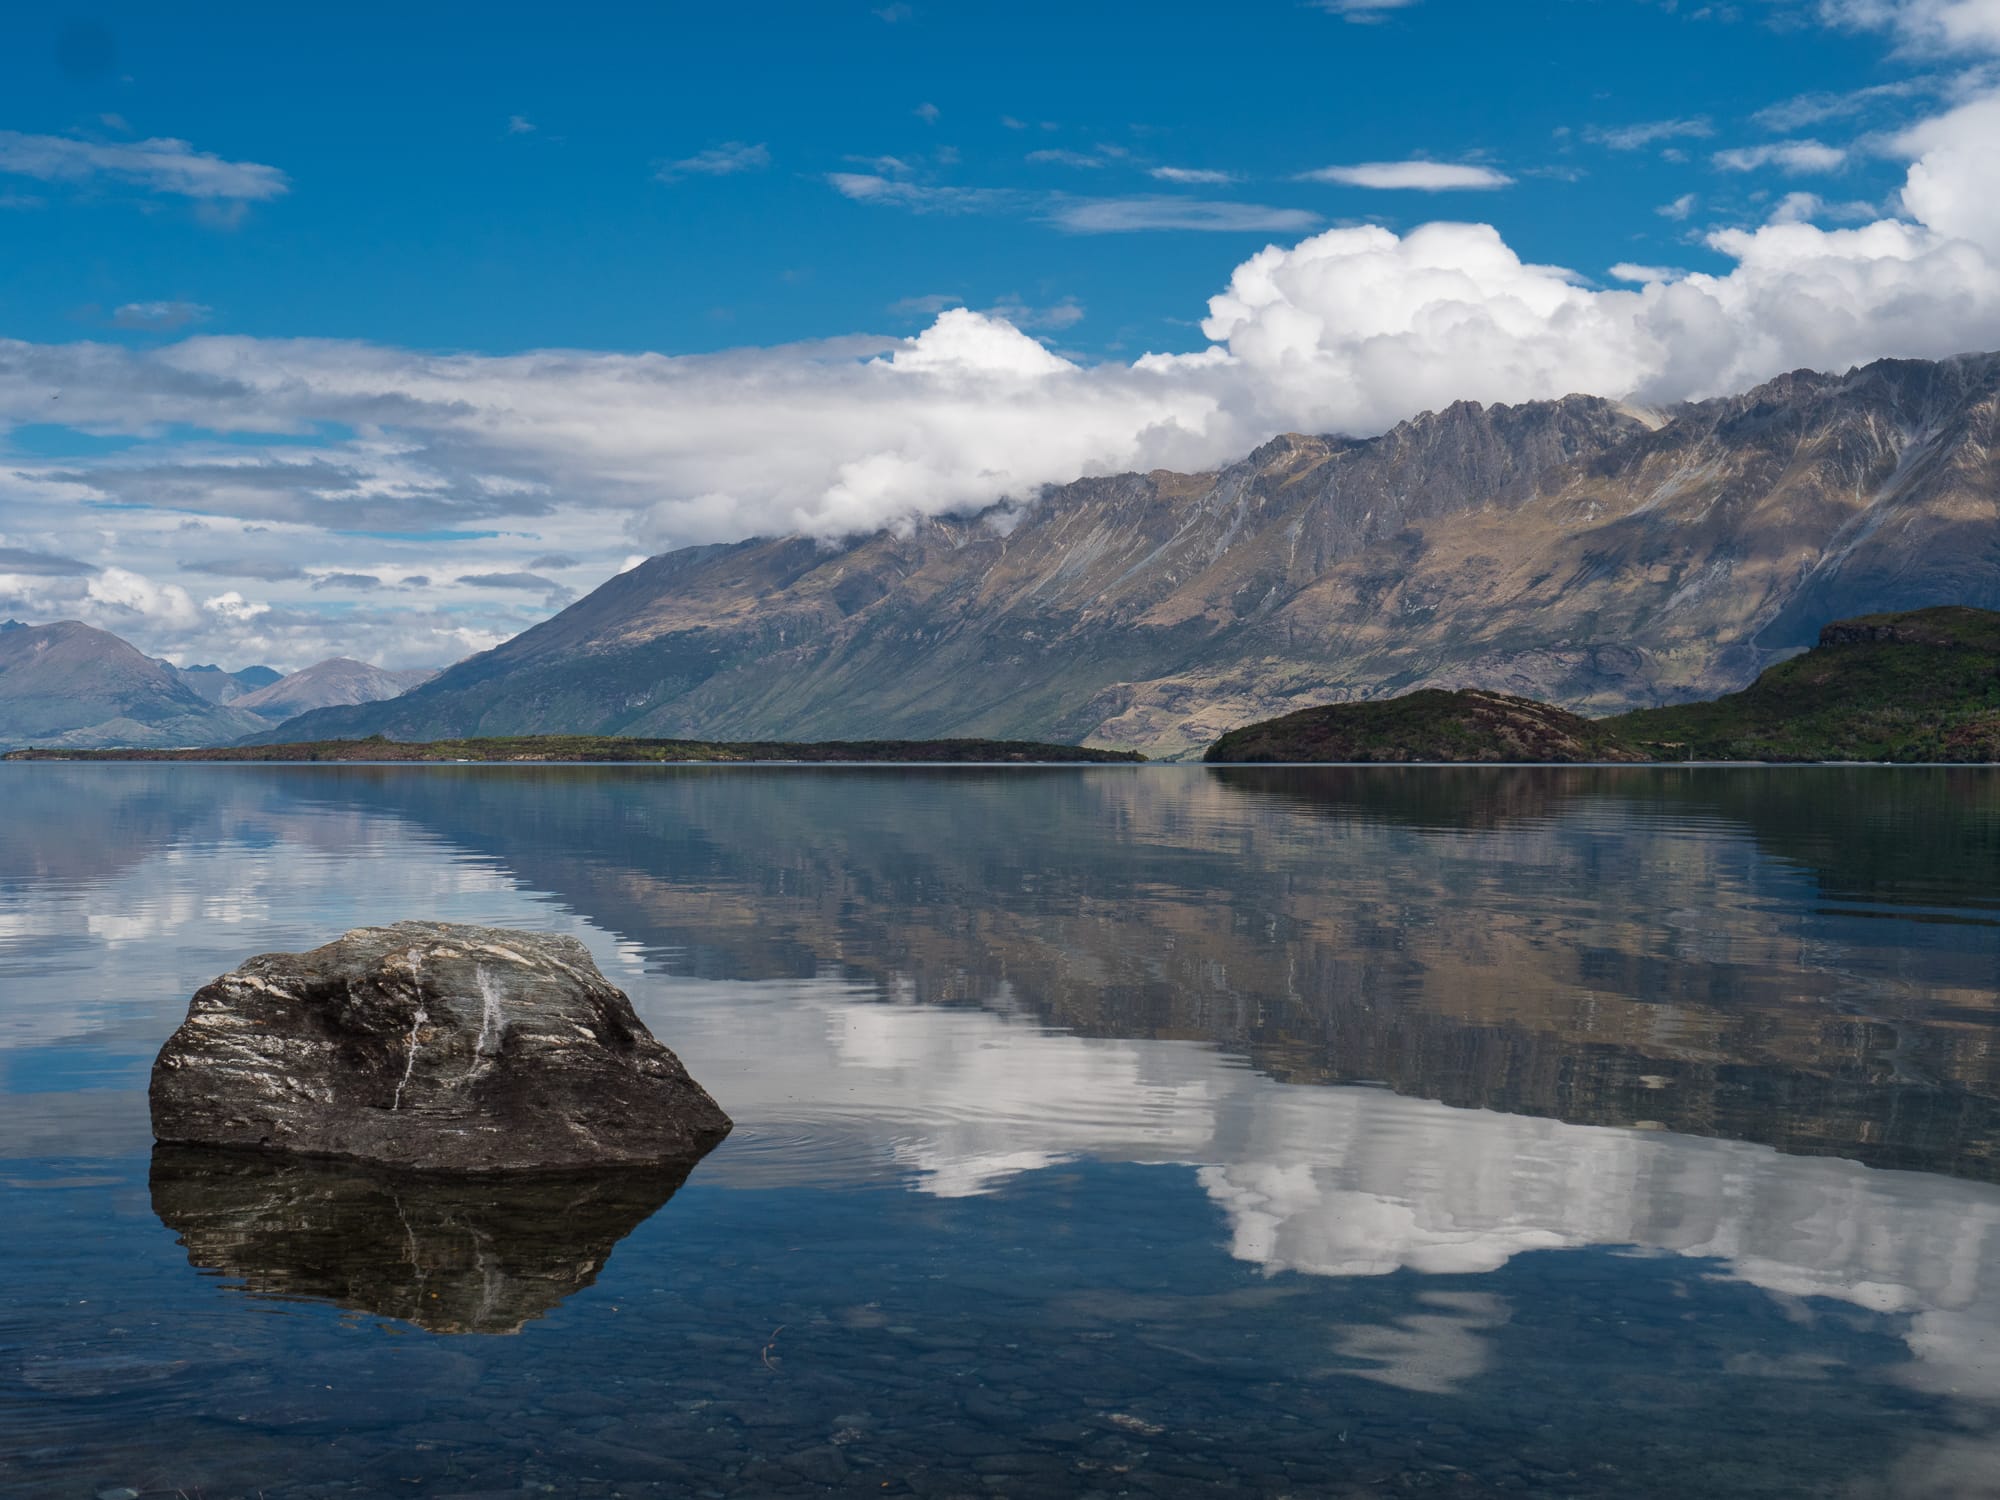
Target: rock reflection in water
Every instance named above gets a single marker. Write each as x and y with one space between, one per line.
448 1254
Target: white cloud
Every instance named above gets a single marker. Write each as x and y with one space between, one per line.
1191 175
520 125
717 161
1418 176
1788 156
233 606
1626 270
162 166
927 112
1925 25
1680 208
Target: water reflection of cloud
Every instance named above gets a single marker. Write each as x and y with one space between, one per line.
1335 1181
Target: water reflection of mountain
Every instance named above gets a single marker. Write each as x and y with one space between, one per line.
451 1255
1540 942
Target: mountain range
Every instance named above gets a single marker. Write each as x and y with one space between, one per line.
1596 555
71 686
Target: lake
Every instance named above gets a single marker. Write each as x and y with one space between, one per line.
1126 1131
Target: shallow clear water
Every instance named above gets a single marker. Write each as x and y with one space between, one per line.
1143 1131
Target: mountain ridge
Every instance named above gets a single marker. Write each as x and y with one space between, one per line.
1579 551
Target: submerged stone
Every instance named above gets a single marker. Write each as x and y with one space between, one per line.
434 1047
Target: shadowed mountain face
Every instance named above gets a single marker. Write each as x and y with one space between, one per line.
1572 551
449 1254
71 686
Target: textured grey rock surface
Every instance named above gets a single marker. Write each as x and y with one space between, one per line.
434 1047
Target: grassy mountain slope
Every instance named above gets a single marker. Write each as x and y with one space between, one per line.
1922 686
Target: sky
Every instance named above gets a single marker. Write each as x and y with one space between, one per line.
388 331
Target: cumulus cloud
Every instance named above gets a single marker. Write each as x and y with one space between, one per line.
1412 176
233 606
162 166
1924 25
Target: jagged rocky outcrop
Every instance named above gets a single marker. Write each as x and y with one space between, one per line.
430 1046
449 1254
1576 551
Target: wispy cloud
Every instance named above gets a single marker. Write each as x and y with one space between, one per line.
161 165
1158 211
1064 314
1815 109
1413 176
1191 175
1647 132
717 161
923 198
927 112
520 125
1061 158
1679 209
898 11
159 317
1362 12
1787 156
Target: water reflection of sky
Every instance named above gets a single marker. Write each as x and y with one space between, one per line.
852 1080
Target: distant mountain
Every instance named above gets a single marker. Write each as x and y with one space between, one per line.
338 681
69 685
218 686
1577 551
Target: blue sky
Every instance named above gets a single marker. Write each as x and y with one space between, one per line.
281 283
420 213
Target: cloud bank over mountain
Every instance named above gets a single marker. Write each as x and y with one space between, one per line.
1345 331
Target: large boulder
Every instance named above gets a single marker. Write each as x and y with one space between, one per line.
434 1047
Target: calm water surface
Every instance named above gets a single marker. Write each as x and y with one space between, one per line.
1143 1131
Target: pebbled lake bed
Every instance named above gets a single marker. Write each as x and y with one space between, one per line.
1126 1130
